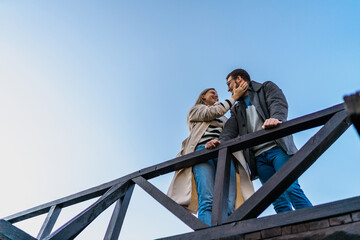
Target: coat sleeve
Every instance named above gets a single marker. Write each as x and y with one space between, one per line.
204 113
276 101
231 128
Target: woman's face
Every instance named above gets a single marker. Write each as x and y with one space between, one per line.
210 97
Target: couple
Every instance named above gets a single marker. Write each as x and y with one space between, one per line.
259 106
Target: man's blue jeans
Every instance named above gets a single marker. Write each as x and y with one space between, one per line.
204 174
267 164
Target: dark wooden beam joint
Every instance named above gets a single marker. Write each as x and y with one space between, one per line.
49 222
117 219
353 109
10 232
72 228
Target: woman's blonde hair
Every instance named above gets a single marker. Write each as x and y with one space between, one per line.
199 99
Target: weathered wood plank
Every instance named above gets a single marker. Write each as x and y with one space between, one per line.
117 219
49 222
293 169
183 214
282 219
221 188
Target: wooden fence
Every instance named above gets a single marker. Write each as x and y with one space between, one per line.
334 121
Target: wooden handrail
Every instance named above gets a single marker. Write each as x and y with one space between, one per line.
335 122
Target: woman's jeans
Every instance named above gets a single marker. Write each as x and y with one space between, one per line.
204 174
267 164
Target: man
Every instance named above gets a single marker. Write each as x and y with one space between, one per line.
262 106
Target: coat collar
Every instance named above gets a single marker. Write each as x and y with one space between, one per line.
255 86
254 97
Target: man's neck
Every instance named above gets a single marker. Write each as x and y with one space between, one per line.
244 95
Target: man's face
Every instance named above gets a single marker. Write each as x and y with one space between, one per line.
233 83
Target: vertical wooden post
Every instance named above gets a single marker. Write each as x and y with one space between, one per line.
221 188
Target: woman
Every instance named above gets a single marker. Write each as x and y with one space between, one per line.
193 187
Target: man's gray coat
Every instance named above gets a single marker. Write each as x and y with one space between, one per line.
270 102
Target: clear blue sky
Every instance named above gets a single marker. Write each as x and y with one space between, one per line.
93 90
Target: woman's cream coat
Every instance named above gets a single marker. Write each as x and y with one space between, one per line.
182 188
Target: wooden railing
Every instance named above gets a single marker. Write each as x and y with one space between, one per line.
335 121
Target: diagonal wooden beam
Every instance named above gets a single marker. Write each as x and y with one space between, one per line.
10 232
72 228
183 214
221 188
65 201
117 219
293 169
49 222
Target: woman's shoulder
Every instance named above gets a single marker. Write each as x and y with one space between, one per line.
195 108
198 106
203 107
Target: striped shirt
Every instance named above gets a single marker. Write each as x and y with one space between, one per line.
228 102
213 131
216 125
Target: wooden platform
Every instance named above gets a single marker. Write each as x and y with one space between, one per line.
345 226
336 220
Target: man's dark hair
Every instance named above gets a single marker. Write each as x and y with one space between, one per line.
239 72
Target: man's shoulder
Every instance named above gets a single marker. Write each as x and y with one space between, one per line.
256 86
265 85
